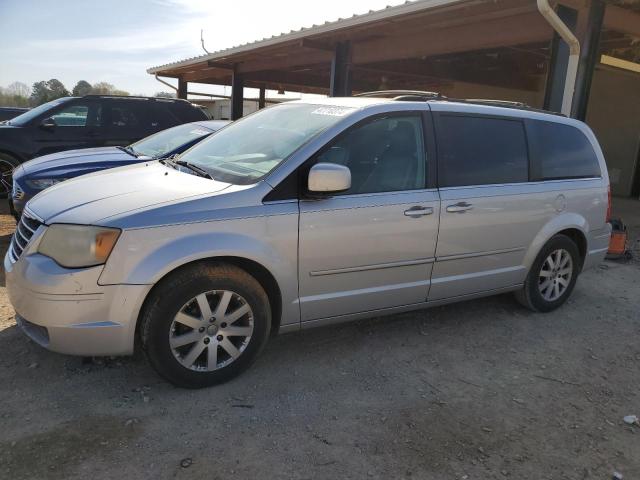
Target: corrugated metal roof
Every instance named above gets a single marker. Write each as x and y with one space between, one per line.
341 23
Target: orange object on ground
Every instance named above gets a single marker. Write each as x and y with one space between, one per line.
618 241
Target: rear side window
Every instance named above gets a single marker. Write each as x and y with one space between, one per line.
175 113
481 151
127 114
560 151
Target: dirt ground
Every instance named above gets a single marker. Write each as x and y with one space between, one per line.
478 390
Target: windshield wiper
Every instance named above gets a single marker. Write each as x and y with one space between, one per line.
129 150
200 171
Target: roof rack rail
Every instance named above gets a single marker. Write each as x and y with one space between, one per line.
505 104
404 95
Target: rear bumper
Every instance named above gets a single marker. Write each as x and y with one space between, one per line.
66 311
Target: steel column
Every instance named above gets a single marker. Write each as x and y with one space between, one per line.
341 70
182 89
262 97
237 96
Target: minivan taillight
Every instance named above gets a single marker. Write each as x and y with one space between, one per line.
608 219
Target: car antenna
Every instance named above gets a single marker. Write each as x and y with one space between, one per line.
202 42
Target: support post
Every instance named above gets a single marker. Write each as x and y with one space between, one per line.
182 89
237 96
589 57
262 97
340 85
558 63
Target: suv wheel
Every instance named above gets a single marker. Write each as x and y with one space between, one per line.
552 277
7 164
205 324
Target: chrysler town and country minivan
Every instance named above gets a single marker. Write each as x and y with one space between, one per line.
309 213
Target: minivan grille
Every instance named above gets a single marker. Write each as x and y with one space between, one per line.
24 231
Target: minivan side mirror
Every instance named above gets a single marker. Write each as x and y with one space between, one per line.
48 123
327 178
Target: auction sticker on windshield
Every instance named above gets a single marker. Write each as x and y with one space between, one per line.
333 111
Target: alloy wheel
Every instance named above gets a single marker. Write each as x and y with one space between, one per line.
6 177
555 275
211 330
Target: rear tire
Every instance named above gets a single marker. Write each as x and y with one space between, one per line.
205 324
7 164
552 276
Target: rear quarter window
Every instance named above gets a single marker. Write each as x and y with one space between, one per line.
476 150
560 151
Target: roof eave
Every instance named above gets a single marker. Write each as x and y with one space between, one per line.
356 20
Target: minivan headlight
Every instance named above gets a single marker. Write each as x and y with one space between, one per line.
75 246
42 183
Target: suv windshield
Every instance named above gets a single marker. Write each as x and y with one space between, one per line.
166 141
26 117
248 149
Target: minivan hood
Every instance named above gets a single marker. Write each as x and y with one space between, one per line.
73 160
97 196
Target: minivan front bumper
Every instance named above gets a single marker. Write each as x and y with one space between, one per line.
67 311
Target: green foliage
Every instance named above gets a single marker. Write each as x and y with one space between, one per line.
20 95
82 88
15 95
43 92
104 88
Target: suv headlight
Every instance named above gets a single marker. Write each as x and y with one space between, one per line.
75 246
42 183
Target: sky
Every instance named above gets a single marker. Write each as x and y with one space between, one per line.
115 41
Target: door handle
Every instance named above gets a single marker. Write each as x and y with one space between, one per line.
459 207
418 211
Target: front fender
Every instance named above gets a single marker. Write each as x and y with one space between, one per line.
145 256
153 265
561 222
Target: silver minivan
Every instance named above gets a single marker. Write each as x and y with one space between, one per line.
309 213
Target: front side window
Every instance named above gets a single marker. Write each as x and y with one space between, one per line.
248 149
72 116
481 151
384 155
560 151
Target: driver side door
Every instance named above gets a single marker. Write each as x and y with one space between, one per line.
372 247
78 125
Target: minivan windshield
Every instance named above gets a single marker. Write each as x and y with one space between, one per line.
248 149
29 115
160 144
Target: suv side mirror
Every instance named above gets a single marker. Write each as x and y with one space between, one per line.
327 178
48 123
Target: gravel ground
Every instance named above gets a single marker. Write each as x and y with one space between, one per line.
482 389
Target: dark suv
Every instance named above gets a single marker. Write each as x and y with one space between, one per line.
82 122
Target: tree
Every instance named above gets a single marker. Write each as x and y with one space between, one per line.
57 89
18 89
104 88
165 95
15 95
82 88
39 93
43 92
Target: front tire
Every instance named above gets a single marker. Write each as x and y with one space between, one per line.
205 324
552 276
